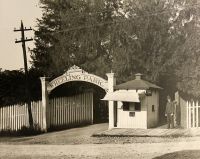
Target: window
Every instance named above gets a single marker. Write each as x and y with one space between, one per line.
153 108
125 106
137 106
130 106
148 92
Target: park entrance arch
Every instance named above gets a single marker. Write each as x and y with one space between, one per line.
77 74
73 74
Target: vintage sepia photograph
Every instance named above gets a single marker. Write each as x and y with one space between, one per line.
99 79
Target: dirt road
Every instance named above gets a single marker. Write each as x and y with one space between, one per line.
82 135
180 150
78 143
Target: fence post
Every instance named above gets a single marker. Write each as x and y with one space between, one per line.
193 114
189 115
197 114
45 104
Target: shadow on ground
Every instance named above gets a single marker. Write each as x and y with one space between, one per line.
186 154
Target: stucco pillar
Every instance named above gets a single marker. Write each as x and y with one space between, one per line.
111 84
45 104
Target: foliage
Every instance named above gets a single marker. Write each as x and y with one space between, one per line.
187 54
156 38
28 131
104 35
12 86
73 32
143 42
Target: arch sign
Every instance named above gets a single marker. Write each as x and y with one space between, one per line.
75 73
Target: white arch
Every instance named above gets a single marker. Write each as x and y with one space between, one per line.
77 74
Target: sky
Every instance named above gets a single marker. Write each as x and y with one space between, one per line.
11 14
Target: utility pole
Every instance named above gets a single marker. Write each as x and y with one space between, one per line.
23 41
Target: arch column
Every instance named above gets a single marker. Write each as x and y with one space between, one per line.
45 104
111 84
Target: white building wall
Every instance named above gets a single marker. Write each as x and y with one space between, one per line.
126 121
152 116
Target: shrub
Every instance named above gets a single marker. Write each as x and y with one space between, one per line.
28 131
24 131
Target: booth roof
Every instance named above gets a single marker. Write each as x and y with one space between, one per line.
124 95
136 85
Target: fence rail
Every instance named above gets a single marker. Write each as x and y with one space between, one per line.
63 111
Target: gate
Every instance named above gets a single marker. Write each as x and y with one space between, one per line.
71 111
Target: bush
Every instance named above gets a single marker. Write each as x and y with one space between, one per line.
24 131
7 132
28 131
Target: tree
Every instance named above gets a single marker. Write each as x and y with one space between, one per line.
151 37
104 35
143 42
187 55
73 32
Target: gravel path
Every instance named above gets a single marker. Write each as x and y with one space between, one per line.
118 151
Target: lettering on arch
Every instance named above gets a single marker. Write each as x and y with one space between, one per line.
77 74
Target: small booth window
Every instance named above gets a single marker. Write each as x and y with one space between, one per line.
153 108
148 92
131 106
126 106
138 106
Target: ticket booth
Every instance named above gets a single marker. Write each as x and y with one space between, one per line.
136 104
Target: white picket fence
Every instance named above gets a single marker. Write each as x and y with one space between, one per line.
192 114
64 111
13 117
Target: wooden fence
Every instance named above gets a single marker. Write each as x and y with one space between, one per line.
189 112
64 111
192 114
71 111
13 117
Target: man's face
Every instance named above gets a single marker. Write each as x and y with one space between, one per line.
169 100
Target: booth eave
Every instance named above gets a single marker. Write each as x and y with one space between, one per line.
122 95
